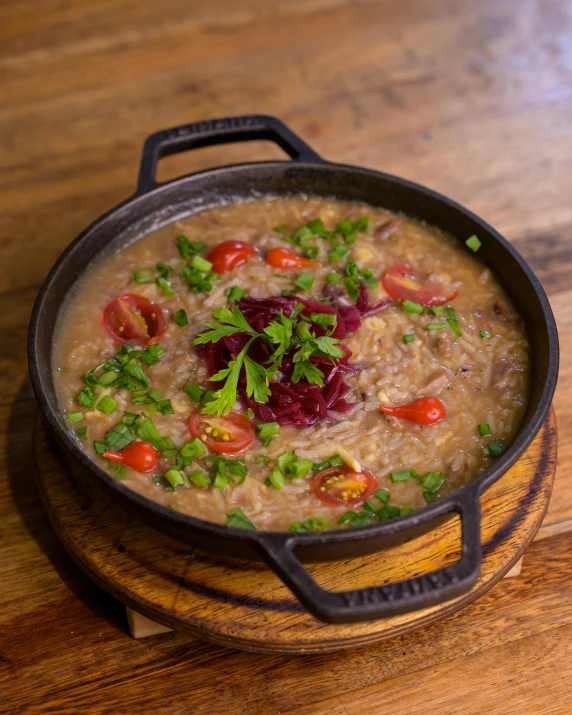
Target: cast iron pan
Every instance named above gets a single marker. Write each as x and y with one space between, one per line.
155 204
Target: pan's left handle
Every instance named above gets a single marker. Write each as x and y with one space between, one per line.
218 131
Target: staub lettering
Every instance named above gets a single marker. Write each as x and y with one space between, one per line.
211 126
401 591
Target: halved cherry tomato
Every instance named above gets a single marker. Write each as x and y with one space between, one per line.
140 456
132 318
406 283
283 258
424 411
229 434
341 485
229 255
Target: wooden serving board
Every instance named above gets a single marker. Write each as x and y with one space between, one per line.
244 605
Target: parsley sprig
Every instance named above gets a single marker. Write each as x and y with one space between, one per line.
283 335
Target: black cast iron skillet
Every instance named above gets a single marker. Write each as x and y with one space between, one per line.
156 204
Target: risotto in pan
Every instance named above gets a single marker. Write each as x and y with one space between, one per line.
292 364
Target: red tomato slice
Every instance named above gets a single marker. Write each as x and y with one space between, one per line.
406 283
424 411
283 258
229 255
140 456
341 485
229 434
132 318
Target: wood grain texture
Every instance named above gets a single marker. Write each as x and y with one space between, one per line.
244 605
472 99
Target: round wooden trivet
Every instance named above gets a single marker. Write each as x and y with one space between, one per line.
244 605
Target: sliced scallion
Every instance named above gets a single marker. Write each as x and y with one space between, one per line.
436 326
143 275
408 306
275 479
107 404
201 264
81 432
165 286
401 476
485 334
304 281
180 317
238 519
75 417
484 430
473 243
194 391
269 429
409 338
199 478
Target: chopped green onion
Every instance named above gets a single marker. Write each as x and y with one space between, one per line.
180 317
299 468
473 243
201 264
234 293
338 252
388 512
275 479
269 429
485 334
189 248
493 449
143 275
154 394
285 460
174 477
87 397
432 482
107 404
119 471
436 326
304 281
194 391
238 519
409 338
402 476
281 228
382 495
99 446
75 416
484 430
455 326
405 510
333 278
199 478
267 442
311 252
81 432
435 310
194 448
408 306
323 319
316 523
369 506
119 436
130 418
165 286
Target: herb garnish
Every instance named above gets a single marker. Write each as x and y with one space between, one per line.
281 334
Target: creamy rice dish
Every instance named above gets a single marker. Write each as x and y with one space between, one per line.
292 364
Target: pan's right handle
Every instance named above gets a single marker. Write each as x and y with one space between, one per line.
387 600
218 131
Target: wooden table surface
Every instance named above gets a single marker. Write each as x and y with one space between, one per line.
473 99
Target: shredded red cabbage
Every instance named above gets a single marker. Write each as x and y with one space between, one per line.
300 404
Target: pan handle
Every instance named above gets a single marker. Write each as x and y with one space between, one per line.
391 599
217 131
